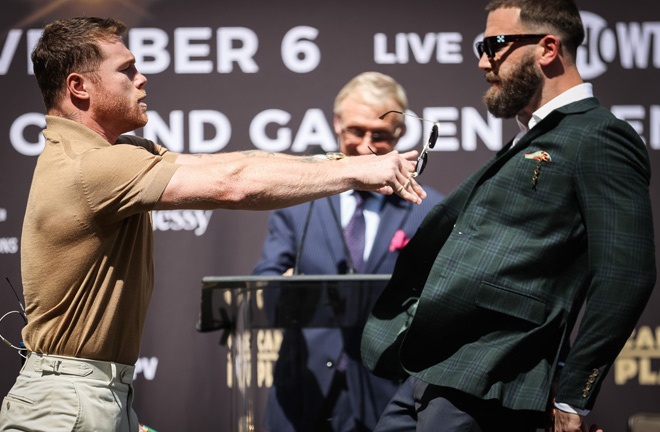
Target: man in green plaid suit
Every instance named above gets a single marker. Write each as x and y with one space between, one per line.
483 300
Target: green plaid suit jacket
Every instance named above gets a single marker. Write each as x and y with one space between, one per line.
484 297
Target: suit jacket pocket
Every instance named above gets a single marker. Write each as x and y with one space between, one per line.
513 303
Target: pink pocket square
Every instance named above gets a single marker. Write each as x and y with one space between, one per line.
399 240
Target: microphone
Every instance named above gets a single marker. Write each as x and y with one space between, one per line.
22 312
349 259
302 238
296 266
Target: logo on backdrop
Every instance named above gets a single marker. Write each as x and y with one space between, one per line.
639 360
239 372
8 245
266 342
634 43
147 367
196 221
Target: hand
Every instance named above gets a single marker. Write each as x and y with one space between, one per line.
390 173
568 422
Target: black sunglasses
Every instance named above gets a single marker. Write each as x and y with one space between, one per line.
492 44
422 159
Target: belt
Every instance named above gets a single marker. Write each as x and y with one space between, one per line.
93 369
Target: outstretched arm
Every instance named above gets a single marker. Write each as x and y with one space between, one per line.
256 180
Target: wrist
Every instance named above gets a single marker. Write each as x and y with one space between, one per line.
571 410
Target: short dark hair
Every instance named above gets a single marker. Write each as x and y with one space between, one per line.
558 17
70 45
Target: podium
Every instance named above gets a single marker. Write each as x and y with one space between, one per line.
254 314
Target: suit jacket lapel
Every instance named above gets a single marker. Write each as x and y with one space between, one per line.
548 123
457 200
392 217
394 213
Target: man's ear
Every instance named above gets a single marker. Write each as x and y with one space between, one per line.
75 84
551 49
337 124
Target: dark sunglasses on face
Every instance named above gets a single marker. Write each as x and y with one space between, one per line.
423 157
492 44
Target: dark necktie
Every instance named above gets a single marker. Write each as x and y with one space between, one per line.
354 232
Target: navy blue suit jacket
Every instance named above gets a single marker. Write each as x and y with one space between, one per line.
309 357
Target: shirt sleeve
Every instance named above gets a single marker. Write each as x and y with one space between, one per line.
124 179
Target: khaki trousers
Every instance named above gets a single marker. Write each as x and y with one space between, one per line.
56 393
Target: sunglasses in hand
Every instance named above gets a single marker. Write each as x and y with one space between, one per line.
422 159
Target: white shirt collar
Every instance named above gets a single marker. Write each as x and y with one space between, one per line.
377 196
574 94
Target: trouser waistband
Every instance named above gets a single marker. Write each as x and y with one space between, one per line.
93 369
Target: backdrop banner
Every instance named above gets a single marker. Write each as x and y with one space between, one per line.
227 76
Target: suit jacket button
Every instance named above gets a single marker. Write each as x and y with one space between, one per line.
329 364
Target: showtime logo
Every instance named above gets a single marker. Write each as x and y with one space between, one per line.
636 44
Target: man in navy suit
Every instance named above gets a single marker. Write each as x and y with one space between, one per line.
320 383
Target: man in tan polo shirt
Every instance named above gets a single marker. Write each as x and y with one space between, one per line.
87 246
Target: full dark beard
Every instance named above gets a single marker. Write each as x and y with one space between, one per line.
515 91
